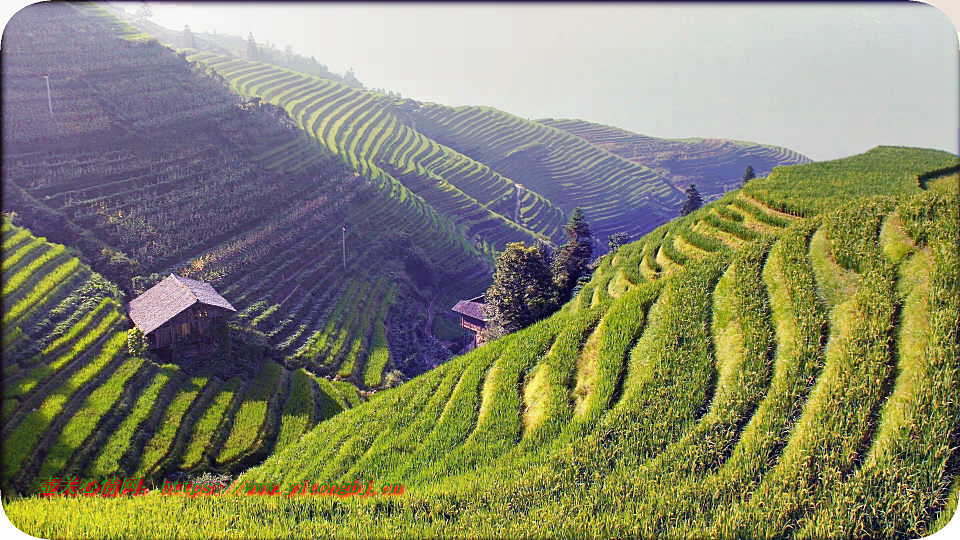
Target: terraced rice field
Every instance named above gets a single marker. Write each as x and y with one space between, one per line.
716 166
154 165
370 132
616 194
75 403
741 372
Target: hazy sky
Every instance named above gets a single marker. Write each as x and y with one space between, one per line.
826 80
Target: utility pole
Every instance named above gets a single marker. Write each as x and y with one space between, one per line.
49 101
344 248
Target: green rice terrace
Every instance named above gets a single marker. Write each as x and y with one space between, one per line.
250 176
765 366
76 403
782 362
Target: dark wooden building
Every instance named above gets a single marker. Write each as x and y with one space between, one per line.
176 309
473 317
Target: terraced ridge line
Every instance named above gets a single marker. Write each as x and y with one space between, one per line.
498 426
300 410
358 144
385 451
547 388
82 424
827 439
35 433
35 381
120 453
255 425
207 425
909 447
160 444
743 340
187 425
134 391
36 385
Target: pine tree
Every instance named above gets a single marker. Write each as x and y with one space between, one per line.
618 240
693 202
144 12
748 175
188 41
571 261
251 47
522 291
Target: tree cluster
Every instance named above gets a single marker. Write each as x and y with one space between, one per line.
532 282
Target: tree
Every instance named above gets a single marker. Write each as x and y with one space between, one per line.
251 47
748 175
693 202
572 259
351 79
522 291
136 342
188 40
144 12
618 240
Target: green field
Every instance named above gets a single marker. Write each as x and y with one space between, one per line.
741 372
75 403
783 362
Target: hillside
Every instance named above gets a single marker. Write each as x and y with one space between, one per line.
150 165
714 165
616 194
76 403
257 178
782 361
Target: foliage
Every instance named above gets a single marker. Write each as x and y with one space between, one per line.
136 342
144 11
694 201
618 240
571 260
748 175
522 291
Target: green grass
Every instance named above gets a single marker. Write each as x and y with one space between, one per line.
158 446
245 429
108 461
208 423
777 386
82 424
799 382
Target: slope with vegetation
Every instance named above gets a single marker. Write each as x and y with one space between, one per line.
150 164
76 403
617 195
783 361
714 165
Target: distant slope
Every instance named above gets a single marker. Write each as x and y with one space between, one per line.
615 194
714 165
740 372
75 403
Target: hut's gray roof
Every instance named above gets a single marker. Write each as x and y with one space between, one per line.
475 307
171 296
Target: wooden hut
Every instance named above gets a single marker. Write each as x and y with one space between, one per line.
473 317
176 309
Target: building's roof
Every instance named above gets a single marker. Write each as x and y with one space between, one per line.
475 307
166 299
